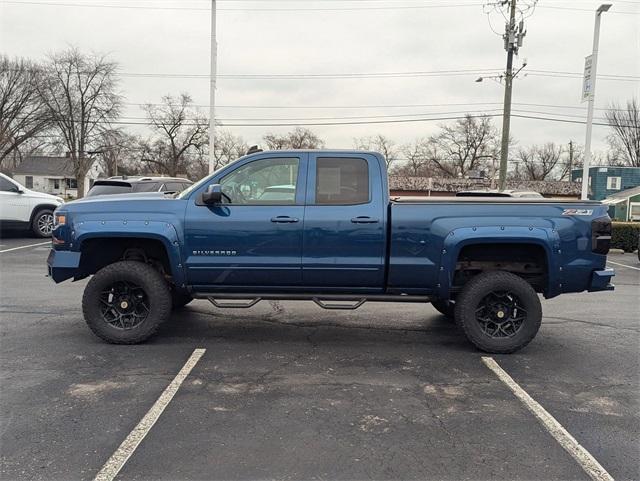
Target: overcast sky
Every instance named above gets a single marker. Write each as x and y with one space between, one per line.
345 37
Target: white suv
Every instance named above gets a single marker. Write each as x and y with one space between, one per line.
26 209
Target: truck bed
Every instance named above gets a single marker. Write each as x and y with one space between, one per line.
487 200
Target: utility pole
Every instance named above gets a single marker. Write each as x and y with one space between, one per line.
570 159
589 91
212 86
512 40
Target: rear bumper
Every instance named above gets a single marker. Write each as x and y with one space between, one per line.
601 280
62 265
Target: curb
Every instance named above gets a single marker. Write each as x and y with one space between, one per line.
616 251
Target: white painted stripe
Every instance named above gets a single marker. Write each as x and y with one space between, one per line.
566 440
118 459
624 265
24 247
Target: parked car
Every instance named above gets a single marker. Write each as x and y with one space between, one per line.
127 185
22 208
520 194
339 239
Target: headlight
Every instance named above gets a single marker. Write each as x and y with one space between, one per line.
60 199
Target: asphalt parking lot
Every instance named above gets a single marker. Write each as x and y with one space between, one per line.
289 391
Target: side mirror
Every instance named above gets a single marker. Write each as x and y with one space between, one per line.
213 194
18 190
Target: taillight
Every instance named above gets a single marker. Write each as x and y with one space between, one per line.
601 235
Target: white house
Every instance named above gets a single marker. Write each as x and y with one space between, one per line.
53 175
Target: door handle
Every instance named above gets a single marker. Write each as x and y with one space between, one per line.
364 219
284 219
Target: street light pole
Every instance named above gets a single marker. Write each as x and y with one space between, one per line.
212 87
592 93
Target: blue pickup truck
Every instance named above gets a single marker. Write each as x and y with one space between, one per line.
319 225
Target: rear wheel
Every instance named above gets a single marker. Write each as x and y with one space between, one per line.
125 302
42 224
499 312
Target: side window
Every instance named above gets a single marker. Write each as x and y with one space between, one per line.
342 181
266 181
6 186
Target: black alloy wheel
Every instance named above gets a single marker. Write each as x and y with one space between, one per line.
498 311
500 314
124 305
126 302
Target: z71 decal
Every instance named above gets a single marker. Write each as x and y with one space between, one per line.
577 212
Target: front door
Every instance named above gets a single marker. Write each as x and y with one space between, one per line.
253 239
344 234
15 206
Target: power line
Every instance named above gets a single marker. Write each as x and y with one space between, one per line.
373 106
358 75
245 9
367 122
286 9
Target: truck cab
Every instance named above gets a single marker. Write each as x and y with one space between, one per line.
325 231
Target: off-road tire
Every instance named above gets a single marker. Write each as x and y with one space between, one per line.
39 219
446 308
154 286
473 293
180 298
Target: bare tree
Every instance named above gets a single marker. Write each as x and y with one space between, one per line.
468 144
379 143
24 116
624 139
181 131
299 138
228 147
541 162
118 152
416 156
80 92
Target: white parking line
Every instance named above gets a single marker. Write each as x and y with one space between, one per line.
624 265
118 459
568 442
24 247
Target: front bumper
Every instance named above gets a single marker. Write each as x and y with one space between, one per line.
601 280
63 265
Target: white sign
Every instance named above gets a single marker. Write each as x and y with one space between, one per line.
587 83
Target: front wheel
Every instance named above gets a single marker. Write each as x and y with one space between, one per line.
499 312
125 302
42 225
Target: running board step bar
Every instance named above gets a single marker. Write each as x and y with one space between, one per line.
325 301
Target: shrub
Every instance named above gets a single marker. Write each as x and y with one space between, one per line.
625 235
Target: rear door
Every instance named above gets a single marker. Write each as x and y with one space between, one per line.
344 233
253 240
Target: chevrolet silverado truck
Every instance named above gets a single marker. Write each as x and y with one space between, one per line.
320 225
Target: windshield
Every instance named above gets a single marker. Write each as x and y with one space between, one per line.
187 192
106 189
